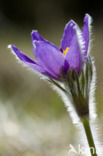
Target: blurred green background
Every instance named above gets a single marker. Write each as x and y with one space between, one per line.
28 106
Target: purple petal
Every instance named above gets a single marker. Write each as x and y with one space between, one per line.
49 57
65 67
36 37
68 35
29 62
20 55
25 59
86 32
74 54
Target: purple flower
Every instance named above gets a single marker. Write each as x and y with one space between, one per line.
50 60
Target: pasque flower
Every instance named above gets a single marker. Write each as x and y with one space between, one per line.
70 68
70 64
51 60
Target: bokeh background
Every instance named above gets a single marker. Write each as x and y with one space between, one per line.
33 119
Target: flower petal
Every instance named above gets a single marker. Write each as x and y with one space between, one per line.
49 57
65 67
86 32
74 55
31 63
20 55
68 35
35 36
25 59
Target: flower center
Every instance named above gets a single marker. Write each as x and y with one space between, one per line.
65 51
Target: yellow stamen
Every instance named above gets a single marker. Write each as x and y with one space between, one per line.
65 51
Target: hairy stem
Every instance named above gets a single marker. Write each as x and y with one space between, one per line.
89 136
